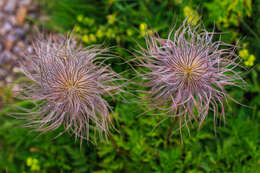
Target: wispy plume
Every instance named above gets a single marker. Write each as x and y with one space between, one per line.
186 74
69 83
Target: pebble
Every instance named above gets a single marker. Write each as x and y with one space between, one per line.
10 6
14 37
6 56
19 48
12 20
3 72
19 32
6 27
16 70
25 2
9 42
2 3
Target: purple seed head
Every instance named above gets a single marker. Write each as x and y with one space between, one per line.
69 85
187 73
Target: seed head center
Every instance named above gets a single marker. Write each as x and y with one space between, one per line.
188 71
71 86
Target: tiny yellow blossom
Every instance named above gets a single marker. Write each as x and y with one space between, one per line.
80 18
243 53
77 28
250 61
143 29
129 32
35 167
92 38
33 163
88 21
192 15
29 161
111 18
110 33
85 38
143 26
100 33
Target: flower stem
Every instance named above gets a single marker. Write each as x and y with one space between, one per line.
171 129
117 148
170 132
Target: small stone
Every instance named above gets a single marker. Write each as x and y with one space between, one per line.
19 47
16 70
26 26
25 2
2 2
10 6
21 15
30 49
19 32
6 28
9 42
6 56
12 19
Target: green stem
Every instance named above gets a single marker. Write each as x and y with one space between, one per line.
170 132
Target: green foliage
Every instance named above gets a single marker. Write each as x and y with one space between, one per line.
139 145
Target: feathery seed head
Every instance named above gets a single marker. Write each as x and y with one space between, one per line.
69 84
187 72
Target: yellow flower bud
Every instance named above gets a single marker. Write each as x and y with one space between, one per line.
92 38
80 18
143 26
85 39
29 161
243 53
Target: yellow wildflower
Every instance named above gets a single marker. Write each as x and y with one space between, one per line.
100 33
77 28
111 18
243 53
143 29
80 18
92 38
250 61
29 161
85 38
88 21
192 15
143 26
110 33
33 163
129 32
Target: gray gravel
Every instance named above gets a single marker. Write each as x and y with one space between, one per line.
14 36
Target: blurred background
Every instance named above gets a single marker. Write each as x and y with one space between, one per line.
139 146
